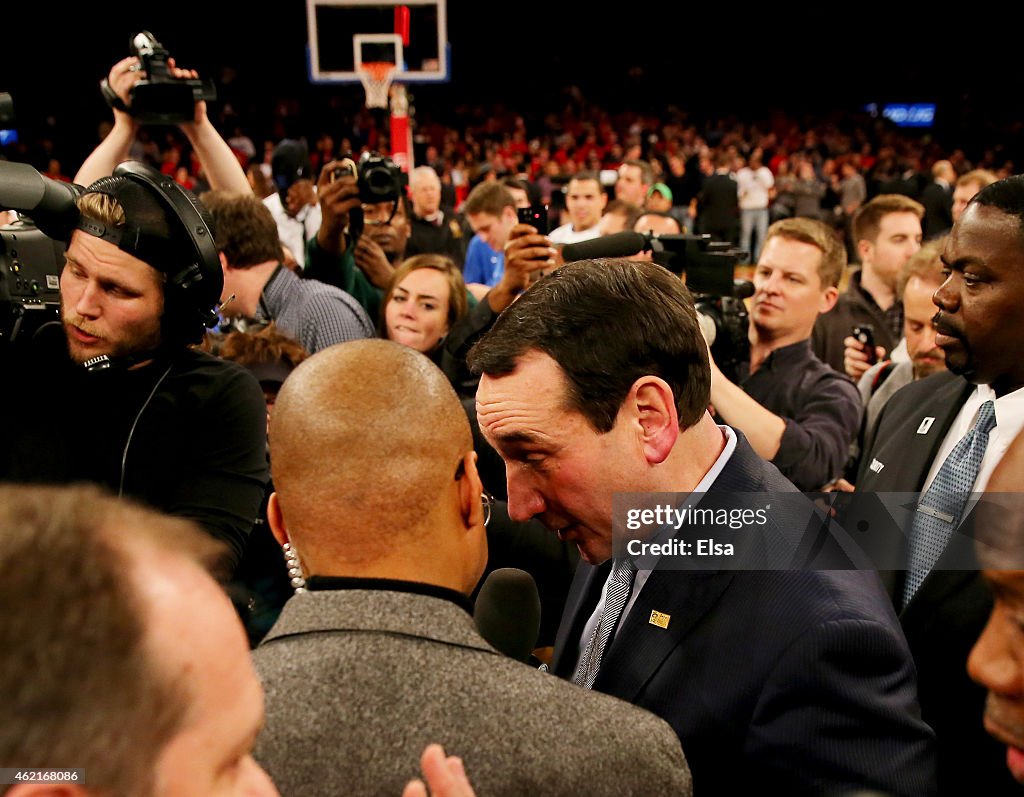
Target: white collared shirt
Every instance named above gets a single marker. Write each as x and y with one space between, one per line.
1009 421
294 231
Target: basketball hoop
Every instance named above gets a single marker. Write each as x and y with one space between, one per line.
376 79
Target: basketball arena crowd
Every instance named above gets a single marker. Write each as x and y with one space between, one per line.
316 466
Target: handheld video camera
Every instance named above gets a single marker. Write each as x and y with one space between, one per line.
709 267
159 99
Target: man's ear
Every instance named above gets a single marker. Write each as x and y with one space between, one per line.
865 249
470 491
654 405
829 297
276 520
223 261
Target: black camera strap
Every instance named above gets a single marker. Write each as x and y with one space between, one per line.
111 97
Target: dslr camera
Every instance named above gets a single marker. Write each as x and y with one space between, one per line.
379 180
378 177
159 99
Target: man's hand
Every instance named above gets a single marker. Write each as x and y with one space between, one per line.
855 358
199 118
122 77
337 198
445 775
527 256
372 261
840 485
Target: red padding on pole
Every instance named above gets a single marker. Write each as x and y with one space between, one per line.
402 23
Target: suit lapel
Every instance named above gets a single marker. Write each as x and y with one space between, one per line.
641 646
905 448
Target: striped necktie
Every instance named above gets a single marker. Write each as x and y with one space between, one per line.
620 584
939 510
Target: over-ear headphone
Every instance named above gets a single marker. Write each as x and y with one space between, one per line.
200 281
180 243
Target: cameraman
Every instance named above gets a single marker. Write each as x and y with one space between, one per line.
795 410
365 268
219 162
114 395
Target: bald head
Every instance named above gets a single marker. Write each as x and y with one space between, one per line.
365 441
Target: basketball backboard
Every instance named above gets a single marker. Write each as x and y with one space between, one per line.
344 33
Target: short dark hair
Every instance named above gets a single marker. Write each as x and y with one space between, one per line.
79 684
1006 195
246 231
646 170
586 176
490 198
606 323
868 218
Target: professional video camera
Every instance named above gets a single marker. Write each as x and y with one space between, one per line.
32 249
159 99
709 267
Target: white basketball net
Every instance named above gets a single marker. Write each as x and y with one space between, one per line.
376 79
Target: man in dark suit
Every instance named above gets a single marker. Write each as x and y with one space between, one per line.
937 199
944 606
435 230
718 204
595 382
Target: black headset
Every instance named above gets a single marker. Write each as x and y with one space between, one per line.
201 280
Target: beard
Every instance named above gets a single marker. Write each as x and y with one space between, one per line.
133 340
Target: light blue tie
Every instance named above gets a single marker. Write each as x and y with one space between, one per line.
939 510
620 584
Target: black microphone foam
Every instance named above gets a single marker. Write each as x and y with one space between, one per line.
618 244
49 203
507 612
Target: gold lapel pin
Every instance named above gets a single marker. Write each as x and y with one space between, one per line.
660 619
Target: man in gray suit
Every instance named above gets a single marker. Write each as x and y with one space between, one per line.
379 496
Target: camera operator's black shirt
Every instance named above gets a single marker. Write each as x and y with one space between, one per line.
198 449
821 409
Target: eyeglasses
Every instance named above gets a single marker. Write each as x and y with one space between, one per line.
485 497
488 502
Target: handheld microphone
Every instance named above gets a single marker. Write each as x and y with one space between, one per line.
618 244
507 612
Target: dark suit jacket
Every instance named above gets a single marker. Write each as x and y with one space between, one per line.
447 238
951 607
938 210
777 682
719 207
